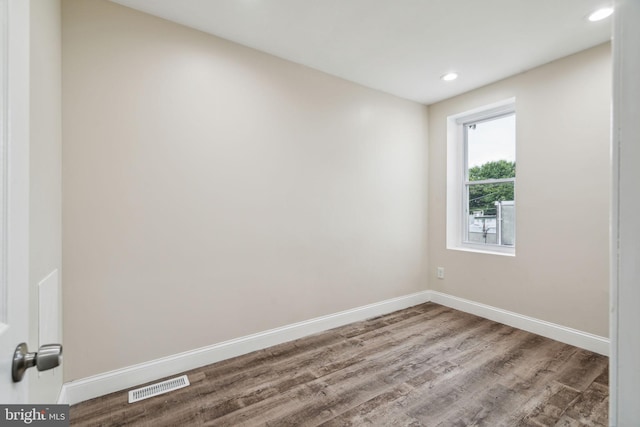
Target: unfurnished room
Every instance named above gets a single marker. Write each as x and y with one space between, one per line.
311 212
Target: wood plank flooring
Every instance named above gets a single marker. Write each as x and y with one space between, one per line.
427 365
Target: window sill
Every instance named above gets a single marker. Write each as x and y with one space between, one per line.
481 249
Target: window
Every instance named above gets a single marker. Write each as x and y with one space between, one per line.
481 178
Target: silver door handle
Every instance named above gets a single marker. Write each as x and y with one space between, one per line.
48 357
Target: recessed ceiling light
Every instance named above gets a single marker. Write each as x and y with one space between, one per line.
600 14
449 77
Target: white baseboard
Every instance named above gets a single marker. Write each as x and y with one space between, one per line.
98 385
88 388
585 340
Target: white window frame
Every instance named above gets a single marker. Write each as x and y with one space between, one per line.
457 219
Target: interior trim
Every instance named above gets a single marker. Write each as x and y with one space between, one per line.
99 385
564 334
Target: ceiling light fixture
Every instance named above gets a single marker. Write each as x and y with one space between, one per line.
449 77
601 14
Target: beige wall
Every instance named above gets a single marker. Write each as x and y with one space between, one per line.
45 177
560 271
211 191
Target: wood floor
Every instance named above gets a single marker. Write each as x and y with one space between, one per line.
424 366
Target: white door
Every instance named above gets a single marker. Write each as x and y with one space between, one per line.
14 191
625 292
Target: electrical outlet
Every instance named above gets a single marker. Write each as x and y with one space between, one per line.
440 273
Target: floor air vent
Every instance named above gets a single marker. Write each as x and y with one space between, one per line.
157 389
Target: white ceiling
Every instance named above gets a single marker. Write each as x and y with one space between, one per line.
400 47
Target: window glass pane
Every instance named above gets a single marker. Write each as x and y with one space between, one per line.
483 197
491 214
491 148
491 154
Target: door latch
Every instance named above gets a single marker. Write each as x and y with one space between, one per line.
48 357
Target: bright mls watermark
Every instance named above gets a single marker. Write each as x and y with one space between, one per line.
34 415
